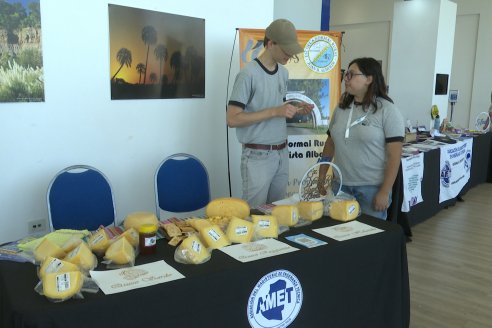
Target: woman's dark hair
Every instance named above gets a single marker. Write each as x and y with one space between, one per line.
377 88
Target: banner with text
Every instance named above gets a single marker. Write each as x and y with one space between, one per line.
413 173
456 161
314 77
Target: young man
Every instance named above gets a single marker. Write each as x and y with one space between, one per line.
258 112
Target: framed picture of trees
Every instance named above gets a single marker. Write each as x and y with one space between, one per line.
155 55
21 59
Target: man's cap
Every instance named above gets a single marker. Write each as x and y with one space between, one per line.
283 33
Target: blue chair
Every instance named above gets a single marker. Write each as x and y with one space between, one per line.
181 186
80 197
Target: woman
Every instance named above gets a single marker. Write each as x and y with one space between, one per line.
365 137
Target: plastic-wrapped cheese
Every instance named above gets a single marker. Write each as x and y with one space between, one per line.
344 210
266 226
310 210
214 237
191 250
52 265
198 224
83 257
71 243
120 252
132 236
227 207
99 241
61 286
136 219
47 248
287 215
239 231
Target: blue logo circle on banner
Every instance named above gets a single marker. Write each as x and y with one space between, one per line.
446 174
275 300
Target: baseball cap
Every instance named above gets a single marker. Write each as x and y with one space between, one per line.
283 32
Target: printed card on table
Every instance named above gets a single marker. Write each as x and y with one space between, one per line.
348 230
306 241
257 250
122 280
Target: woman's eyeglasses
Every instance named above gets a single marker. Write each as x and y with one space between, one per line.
349 75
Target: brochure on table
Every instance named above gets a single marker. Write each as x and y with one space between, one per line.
257 250
349 230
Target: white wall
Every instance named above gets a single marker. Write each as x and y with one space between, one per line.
79 124
306 14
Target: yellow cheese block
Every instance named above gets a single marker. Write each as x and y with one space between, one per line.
239 230
287 215
266 226
214 237
197 223
120 252
310 210
192 250
47 248
71 243
83 257
52 265
227 207
62 286
99 241
344 210
136 219
132 236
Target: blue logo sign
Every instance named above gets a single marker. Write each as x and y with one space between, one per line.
275 300
468 158
446 174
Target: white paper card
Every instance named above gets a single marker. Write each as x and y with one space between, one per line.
122 280
348 230
260 249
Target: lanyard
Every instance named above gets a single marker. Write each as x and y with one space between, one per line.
357 121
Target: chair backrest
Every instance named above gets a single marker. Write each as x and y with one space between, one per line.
181 184
80 197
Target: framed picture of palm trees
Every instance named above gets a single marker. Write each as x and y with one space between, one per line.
155 55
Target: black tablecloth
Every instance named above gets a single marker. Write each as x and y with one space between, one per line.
361 282
479 173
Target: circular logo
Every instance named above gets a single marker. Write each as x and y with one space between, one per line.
468 158
275 300
446 174
321 53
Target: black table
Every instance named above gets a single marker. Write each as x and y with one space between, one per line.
430 206
361 282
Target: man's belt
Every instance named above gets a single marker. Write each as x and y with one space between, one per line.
266 147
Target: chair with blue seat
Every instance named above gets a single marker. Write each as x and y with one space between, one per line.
80 197
182 186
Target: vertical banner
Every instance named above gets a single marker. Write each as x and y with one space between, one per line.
314 77
413 173
456 161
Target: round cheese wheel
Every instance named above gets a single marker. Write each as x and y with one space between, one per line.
136 219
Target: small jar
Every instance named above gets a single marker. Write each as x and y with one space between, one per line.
147 239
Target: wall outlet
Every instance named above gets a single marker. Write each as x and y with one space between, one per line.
36 226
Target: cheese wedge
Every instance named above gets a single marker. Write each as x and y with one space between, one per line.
52 265
47 248
227 207
120 252
71 243
310 210
239 231
197 223
265 226
214 237
136 219
99 241
287 215
62 286
192 250
132 236
82 257
344 210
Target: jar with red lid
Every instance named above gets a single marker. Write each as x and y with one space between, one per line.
147 234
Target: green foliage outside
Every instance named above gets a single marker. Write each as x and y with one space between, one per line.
21 84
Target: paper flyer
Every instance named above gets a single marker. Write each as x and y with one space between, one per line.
122 280
257 250
305 240
349 230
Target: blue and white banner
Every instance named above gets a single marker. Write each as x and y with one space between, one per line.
456 161
413 173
